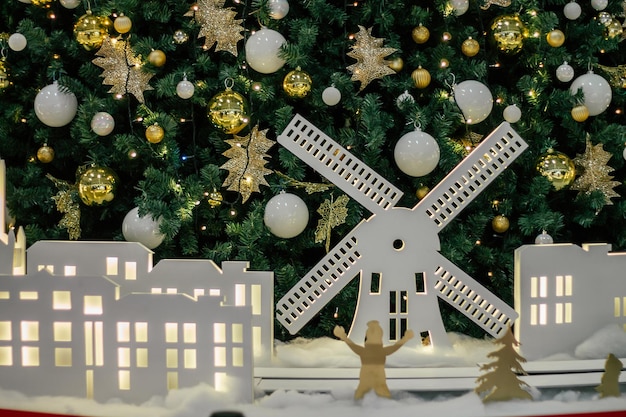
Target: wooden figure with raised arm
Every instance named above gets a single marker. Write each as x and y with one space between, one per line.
373 356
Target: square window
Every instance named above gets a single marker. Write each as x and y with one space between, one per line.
63 356
93 305
5 331
61 300
30 356
29 331
6 356
62 331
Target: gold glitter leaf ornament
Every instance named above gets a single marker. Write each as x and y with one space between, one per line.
595 172
122 69
370 55
217 25
246 166
68 206
333 214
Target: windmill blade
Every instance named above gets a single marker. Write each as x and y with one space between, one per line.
488 160
319 285
338 165
472 299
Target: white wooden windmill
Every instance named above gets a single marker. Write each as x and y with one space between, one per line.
396 250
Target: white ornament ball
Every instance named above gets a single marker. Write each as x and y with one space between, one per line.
70 4
512 113
572 10
404 99
596 90
278 8
544 239
144 230
416 153
54 107
24 1
262 50
565 72
331 96
459 6
102 123
474 99
17 42
185 89
599 4
286 215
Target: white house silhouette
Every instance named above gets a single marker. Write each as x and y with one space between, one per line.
12 247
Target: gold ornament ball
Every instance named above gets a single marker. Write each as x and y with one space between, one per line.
97 186
157 58
420 34
297 83
45 154
122 24
4 75
228 111
396 64
421 77
558 168
41 3
422 191
500 223
470 47
580 113
155 133
555 38
614 29
508 33
215 199
90 31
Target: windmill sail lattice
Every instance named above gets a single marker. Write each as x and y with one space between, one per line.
396 251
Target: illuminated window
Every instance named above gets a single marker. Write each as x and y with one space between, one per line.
141 332
63 356
543 314
255 295
238 357
190 359
30 331
198 292
533 287
171 291
171 332
123 331
30 356
156 290
189 332
112 266
171 358
219 332
568 312
6 356
93 305
617 309
141 356
563 285
220 356
5 331
237 335
29 295
69 270
61 300
49 268
240 295
214 292
533 315
130 269
172 380
558 311
256 337
123 357
543 287
123 380
5 295
62 331
220 382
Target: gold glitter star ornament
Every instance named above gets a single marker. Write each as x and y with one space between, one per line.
122 69
595 172
370 55
217 25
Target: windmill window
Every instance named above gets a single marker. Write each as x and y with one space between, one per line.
393 303
420 283
393 335
398 244
375 282
404 301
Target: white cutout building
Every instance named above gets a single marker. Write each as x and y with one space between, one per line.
12 246
565 293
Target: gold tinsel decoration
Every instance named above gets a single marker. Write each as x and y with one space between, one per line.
246 164
595 172
122 69
217 25
502 3
370 55
68 206
616 74
333 214
309 187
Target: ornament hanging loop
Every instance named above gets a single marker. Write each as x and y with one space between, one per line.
229 83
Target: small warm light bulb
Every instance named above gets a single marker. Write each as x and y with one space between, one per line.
499 100
478 242
351 36
444 63
490 274
446 36
203 228
119 96
51 15
336 313
618 111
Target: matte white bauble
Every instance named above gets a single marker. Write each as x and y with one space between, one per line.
17 42
102 123
185 89
262 50
596 90
54 107
512 113
572 10
286 215
474 99
565 72
278 8
416 153
70 4
599 4
331 96
144 230
459 6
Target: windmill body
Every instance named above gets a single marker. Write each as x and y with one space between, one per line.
396 251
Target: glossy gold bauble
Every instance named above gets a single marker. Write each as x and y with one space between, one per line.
90 31
4 75
421 77
396 64
297 83
470 47
41 3
420 34
508 33
228 111
614 29
558 168
155 133
580 113
500 223
215 199
555 38
45 154
422 191
97 186
157 58
122 24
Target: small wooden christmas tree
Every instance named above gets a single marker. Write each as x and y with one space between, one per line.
609 383
501 382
